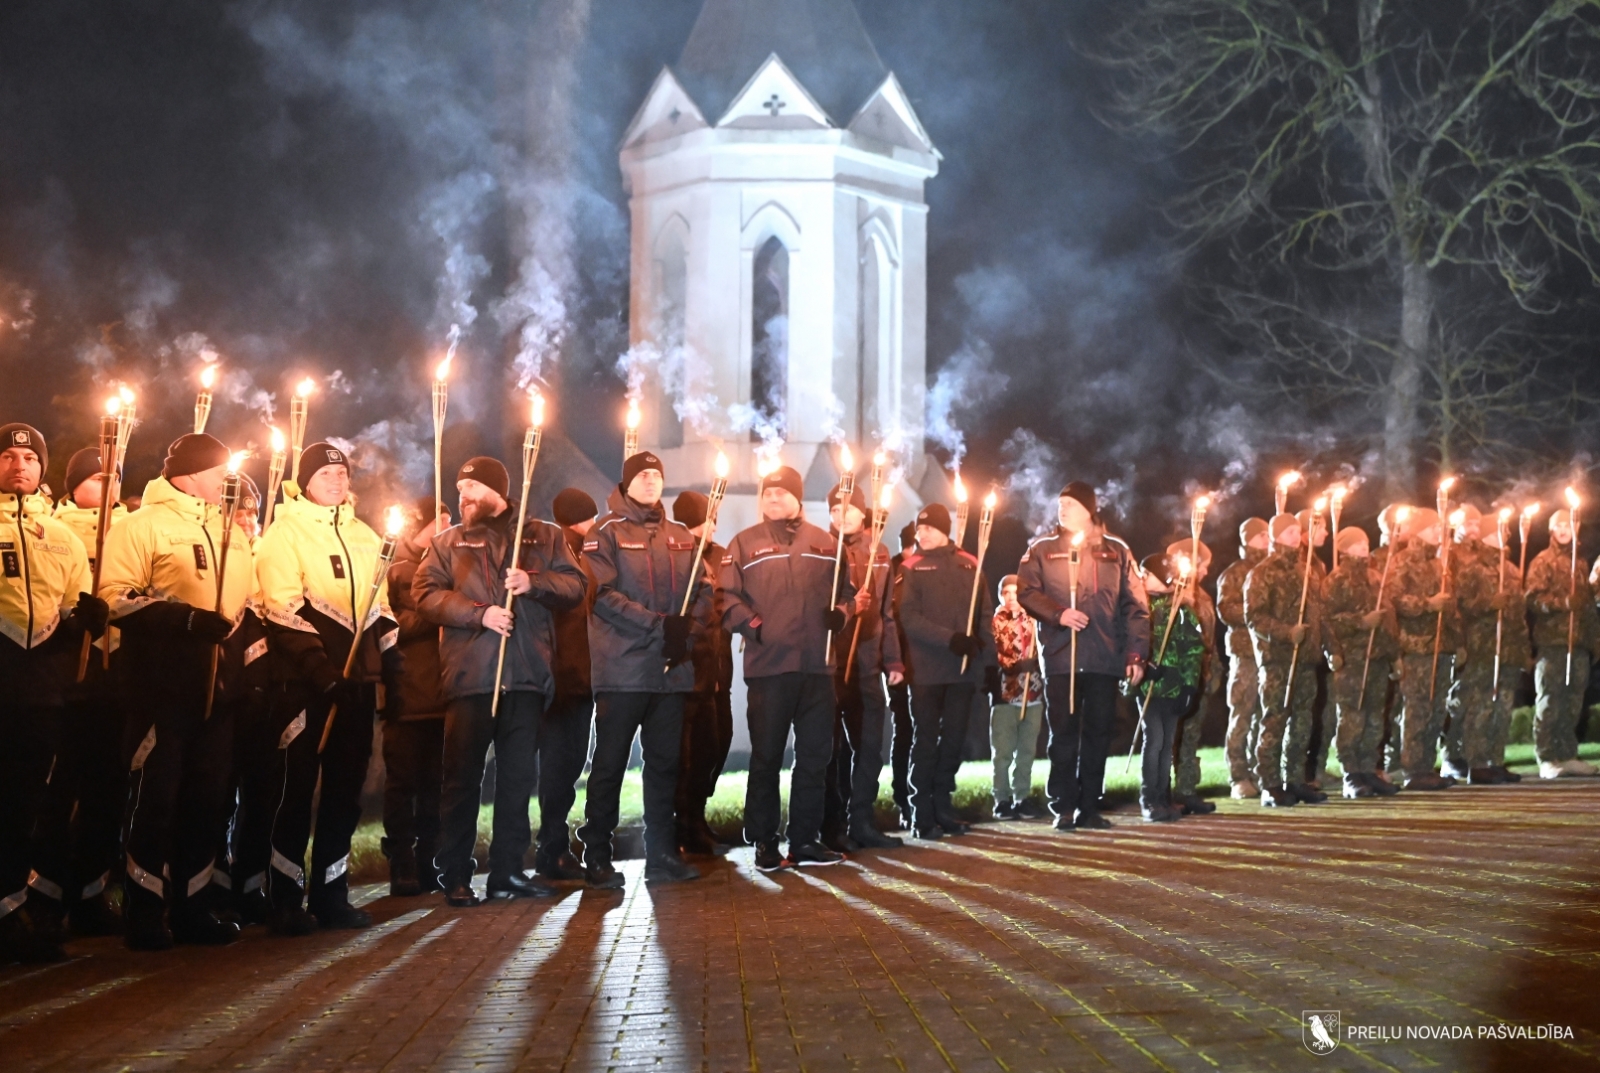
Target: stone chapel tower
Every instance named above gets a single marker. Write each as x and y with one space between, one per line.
779 229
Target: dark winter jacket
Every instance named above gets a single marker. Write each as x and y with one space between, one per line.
933 595
713 663
412 690
463 575
641 562
775 580
572 629
878 644
1109 592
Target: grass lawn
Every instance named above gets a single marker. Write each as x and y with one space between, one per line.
972 799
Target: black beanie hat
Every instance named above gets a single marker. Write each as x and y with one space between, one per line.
935 516
690 508
248 492
81 466
490 472
17 434
787 478
424 507
573 505
857 497
1083 493
314 458
908 535
637 464
195 452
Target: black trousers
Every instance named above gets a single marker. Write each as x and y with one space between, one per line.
939 714
900 758
563 750
777 703
1161 718
469 730
658 720
181 764
857 753
80 825
258 787
29 734
707 733
1078 740
413 765
342 767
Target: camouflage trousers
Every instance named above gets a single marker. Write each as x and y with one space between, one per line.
1323 721
1186 764
1244 718
1468 741
1285 736
1504 702
1558 705
1360 728
1422 719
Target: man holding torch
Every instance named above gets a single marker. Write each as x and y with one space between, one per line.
1565 631
640 644
1516 650
1244 681
1186 766
314 569
461 586
1475 577
161 579
1082 582
45 611
1427 622
776 579
1359 606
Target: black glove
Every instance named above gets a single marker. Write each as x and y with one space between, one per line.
1154 673
208 626
991 683
964 644
675 628
1027 666
92 614
833 619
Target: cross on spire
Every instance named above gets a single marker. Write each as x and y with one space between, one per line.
774 105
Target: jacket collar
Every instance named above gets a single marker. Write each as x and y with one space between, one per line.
160 494
34 505
620 503
784 532
298 506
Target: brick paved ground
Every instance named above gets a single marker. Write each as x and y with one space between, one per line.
1193 946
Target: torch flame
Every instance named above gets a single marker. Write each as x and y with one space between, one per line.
721 466
765 464
305 387
537 406
277 440
1572 498
1289 480
1401 514
1077 540
126 395
633 417
1505 514
1447 484
1202 502
442 373
990 500
1338 492
1320 505
394 520
879 459
1532 510
961 490
886 497
114 405
208 376
1458 518
236 460
1184 566
847 461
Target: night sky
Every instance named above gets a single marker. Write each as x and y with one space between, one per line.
321 185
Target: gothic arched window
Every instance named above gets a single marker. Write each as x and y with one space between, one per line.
769 335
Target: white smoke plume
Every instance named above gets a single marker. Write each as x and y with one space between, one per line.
963 387
1033 478
684 375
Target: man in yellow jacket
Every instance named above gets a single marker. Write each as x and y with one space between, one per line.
176 601
314 570
44 611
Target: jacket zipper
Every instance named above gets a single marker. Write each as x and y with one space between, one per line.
213 549
349 575
27 568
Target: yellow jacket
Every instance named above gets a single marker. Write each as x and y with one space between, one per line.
43 568
85 521
321 558
167 551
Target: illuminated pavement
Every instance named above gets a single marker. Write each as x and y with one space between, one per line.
1193 946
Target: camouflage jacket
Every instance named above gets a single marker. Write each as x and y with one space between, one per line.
1187 649
1349 596
1475 577
1550 582
1414 580
1272 592
1230 603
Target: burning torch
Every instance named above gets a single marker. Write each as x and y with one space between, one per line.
441 404
985 525
719 488
1400 516
1524 528
1573 502
630 434
1305 591
530 458
127 414
1503 528
880 518
298 410
394 521
202 401
275 473
879 461
1336 496
1186 568
847 486
1445 517
110 428
962 510
232 487
1074 561
1281 493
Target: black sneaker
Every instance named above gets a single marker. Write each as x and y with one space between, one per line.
1006 810
1160 813
291 920
813 854
341 916
1506 774
1063 823
669 868
768 859
1091 821
600 875
1029 809
517 885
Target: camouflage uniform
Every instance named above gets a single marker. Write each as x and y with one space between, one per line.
1415 580
1186 782
1475 578
1244 681
1516 658
1272 608
1559 703
1351 594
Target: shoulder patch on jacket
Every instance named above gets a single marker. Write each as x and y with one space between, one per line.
629 546
910 560
591 545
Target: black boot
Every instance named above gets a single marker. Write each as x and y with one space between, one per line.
195 924
330 904
598 873
458 892
20 942
144 919
403 881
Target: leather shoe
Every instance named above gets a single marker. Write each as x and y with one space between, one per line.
1429 781
1306 793
460 895
1276 797
1355 786
599 875
1091 821
1484 776
560 867
1507 774
872 838
1195 805
198 926
1381 787
341 916
928 834
517 885
291 920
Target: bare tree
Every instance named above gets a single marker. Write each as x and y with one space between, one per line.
1357 170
